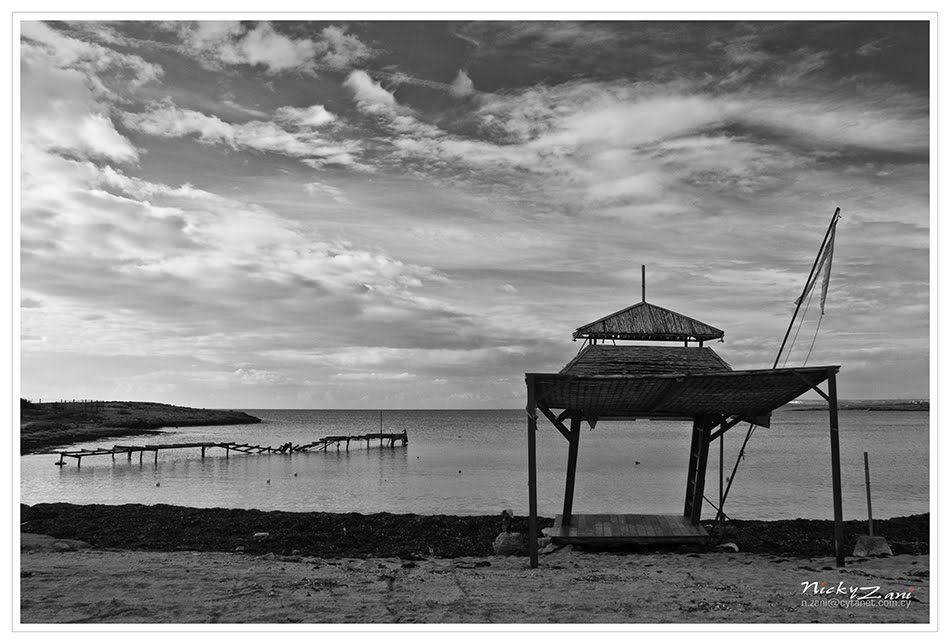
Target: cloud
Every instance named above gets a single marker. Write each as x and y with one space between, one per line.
40 42
462 86
370 96
60 114
231 43
315 188
313 116
170 121
340 50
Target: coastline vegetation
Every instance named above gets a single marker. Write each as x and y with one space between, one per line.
46 425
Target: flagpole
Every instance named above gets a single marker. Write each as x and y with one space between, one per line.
811 273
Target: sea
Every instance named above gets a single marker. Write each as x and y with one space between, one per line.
474 462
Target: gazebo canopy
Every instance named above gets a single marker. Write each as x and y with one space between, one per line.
744 394
645 321
643 360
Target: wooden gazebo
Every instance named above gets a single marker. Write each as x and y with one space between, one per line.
685 382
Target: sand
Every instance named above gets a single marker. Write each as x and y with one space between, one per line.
60 584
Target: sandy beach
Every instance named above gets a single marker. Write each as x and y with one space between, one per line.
87 586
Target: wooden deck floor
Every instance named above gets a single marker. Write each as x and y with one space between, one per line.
627 528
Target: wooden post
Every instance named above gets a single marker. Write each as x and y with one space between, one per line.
722 449
699 451
571 468
156 457
227 451
78 462
867 484
532 411
835 467
141 453
643 281
202 452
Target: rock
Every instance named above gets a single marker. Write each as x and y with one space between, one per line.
549 548
508 543
261 535
549 532
543 542
727 547
239 549
868 546
294 552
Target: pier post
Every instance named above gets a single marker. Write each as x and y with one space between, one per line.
78 462
202 452
141 453
156 457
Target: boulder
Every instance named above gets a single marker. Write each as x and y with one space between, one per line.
727 547
868 546
508 543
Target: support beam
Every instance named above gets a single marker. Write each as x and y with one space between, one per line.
556 421
531 409
724 427
835 466
813 386
571 469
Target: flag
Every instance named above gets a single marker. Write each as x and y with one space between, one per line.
823 263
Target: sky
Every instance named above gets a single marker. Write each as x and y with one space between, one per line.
414 214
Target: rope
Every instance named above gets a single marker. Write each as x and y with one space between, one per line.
814 337
740 529
802 320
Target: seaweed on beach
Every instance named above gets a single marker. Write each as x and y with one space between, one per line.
409 536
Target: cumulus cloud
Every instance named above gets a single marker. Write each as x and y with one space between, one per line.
232 43
313 116
370 96
462 86
60 114
41 42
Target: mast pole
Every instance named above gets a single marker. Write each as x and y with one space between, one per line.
643 281
801 299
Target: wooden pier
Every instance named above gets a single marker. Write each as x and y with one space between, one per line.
323 444
623 529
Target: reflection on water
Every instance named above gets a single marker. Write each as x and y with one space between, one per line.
474 462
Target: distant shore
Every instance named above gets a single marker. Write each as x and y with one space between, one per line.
861 405
323 534
48 425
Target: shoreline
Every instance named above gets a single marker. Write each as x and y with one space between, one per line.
214 566
169 528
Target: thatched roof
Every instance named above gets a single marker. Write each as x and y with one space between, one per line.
633 360
644 321
744 394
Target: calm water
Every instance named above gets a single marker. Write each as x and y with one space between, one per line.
474 462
